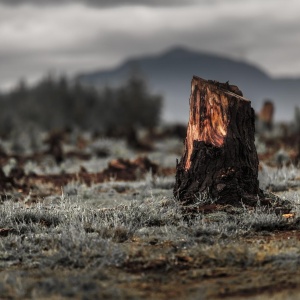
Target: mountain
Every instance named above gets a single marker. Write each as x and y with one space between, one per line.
170 74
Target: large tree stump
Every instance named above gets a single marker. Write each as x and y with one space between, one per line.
220 159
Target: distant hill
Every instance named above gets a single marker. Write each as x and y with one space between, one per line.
170 74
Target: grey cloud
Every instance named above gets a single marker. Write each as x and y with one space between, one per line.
100 42
102 3
229 40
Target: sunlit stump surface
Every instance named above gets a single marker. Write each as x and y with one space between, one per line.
220 159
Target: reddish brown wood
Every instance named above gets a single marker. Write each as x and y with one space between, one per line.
220 158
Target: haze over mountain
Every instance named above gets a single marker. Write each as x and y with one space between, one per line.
170 74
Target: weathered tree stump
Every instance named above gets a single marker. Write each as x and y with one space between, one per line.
220 159
54 141
265 116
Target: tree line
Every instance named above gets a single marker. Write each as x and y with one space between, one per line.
57 103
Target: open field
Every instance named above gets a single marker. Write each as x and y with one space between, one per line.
77 230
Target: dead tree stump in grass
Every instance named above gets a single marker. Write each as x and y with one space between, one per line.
220 159
265 117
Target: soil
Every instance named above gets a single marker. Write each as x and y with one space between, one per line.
187 277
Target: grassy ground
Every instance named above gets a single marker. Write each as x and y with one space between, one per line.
131 240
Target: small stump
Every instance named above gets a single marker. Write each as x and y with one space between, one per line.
220 159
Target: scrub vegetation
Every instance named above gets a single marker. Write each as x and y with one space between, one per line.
87 214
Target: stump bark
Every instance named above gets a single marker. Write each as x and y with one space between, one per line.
220 158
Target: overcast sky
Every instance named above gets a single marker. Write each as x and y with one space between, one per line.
64 36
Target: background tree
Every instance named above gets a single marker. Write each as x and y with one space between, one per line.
57 103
